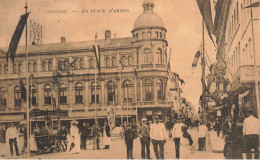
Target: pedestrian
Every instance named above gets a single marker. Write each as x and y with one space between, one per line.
227 135
63 137
129 139
176 135
2 141
106 135
144 135
217 126
95 132
158 136
202 131
83 138
251 130
169 126
186 149
11 137
135 128
74 138
23 136
237 140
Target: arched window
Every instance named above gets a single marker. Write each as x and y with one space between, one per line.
130 60
19 68
137 36
143 35
149 34
5 68
33 93
111 90
159 89
134 36
79 93
124 61
63 94
81 63
47 94
147 56
34 67
159 56
14 69
43 66
148 90
128 89
91 63
160 34
3 92
29 67
107 62
17 96
93 84
76 64
156 35
49 65
113 61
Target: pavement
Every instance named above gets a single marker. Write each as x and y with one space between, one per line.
118 150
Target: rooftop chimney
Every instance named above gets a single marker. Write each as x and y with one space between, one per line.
62 40
107 36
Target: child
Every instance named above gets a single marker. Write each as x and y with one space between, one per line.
129 138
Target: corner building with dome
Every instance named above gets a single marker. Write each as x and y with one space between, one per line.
138 88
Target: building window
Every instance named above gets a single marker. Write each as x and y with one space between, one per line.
14 69
33 93
63 94
130 60
17 96
156 35
147 56
160 34
124 61
93 86
113 61
128 89
149 34
91 63
47 94
143 35
79 93
5 68
29 67
49 66
159 56
111 91
107 62
81 64
19 68
137 36
148 90
0 69
3 91
76 64
34 67
160 90
43 66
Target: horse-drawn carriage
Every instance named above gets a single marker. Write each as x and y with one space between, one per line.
46 134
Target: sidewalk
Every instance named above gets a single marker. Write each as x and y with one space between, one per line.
217 143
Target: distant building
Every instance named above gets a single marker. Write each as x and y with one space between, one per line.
140 83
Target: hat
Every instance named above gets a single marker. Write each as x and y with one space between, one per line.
144 120
157 117
73 122
23 122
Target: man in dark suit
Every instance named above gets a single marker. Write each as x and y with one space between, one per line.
144 134
84 134
227 134
106 135
95 130
129 139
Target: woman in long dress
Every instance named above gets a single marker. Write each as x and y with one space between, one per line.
106 136
74 137
186 148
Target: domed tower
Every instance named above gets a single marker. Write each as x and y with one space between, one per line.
149 32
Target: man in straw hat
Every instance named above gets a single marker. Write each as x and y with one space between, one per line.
74 137
159 136
176 135
11 137
144 134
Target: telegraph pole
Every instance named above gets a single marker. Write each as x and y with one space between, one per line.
203 73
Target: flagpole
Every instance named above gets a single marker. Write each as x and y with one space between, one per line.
121 97
136 112
127 103
203 72
27 88
95 97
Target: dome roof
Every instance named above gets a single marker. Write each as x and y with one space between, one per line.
148 18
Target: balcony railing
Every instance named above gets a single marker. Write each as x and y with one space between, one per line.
147 66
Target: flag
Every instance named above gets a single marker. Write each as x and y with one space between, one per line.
16 37
23 90
135 72
169 61
195 61
97 55
182 81
256 4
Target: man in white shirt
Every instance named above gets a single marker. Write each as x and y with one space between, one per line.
202 136
251 130
11 137
176 135
158 136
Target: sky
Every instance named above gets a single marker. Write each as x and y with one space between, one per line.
181 18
